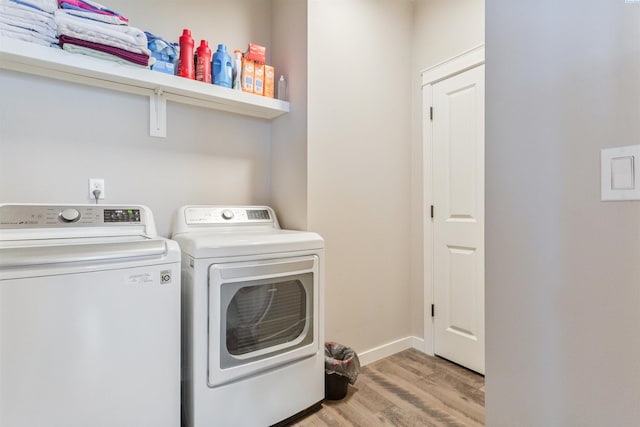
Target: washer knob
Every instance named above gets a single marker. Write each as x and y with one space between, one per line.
70 215
227 214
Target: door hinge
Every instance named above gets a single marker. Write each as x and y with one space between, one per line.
431 113
433 310
432 211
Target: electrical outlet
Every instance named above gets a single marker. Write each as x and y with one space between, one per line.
96 184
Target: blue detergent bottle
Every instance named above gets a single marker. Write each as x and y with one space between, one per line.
222 67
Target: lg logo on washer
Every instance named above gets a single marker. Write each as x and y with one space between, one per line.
147 278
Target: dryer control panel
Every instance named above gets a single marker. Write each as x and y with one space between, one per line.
195 215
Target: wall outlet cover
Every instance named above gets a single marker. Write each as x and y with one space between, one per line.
96 184
620 173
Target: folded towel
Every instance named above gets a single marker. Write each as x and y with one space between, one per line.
109 19
72 48
28 25
102 40
90 6
26 35
10 8
20 36
135 58
86 29
44 5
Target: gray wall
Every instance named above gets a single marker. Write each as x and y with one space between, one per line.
563 268
359 164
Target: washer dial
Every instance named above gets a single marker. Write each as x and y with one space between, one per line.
69 215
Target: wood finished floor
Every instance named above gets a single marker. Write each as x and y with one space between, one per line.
408 389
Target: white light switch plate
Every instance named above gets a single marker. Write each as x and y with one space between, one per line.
620 173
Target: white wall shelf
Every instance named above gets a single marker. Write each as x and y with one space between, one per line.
54 63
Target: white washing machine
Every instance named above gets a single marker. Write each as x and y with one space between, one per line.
89 318
253 336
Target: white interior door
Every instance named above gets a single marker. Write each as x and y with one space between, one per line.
458 224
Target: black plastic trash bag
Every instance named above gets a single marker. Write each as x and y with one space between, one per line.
341 367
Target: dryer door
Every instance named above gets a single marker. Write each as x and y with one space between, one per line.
262 314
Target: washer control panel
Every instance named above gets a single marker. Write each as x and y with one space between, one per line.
228 215
122 215
51 216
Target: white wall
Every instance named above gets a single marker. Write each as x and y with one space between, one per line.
359 164
55 135
563 268
441 29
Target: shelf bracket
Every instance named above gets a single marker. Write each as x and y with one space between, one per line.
158 113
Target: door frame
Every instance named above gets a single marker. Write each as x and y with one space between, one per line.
455 65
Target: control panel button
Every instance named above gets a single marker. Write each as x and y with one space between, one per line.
227 214
70 215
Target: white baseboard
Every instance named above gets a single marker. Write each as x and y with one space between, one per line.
389 349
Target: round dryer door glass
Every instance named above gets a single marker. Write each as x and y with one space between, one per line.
265 315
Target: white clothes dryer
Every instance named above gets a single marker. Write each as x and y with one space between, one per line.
252 317
89 318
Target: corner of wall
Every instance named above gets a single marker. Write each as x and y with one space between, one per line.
289 132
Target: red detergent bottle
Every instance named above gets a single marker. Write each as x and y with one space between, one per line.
185 64
203 64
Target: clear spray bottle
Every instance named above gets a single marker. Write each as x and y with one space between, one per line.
282 89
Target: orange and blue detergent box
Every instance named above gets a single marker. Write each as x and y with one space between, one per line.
269 81
248 75
258 81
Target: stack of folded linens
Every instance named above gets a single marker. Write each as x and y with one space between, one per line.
29 20
89 28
